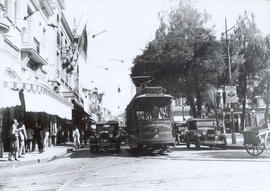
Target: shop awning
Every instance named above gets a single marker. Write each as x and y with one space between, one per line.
79 111
38 98
35 102
9 97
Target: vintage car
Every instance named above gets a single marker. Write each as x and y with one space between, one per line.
106 136
204 132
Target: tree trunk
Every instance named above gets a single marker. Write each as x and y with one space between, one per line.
199 102
190 100
267 103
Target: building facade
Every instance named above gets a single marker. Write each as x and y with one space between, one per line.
39 72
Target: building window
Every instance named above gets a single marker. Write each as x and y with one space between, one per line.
32 65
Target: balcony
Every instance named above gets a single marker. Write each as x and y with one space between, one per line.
31 48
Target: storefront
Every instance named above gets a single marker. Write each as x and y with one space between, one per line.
35 104
82 120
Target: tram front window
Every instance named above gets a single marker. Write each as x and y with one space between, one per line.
154 112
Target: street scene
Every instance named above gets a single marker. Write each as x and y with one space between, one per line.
134 95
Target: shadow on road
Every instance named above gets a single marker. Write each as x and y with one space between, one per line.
125 152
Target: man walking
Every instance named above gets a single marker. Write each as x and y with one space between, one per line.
14 141
76 138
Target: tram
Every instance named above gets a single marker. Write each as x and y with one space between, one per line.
149 121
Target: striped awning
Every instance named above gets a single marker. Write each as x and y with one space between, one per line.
38 98
9 97
35 102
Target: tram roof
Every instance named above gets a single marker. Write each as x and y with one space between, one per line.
148 96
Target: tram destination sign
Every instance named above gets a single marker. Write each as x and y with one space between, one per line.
231 94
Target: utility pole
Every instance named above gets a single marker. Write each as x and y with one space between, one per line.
230 82
228 53
183 108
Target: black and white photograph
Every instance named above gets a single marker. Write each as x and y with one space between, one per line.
134 95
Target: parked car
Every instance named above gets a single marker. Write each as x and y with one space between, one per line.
204 132
105 137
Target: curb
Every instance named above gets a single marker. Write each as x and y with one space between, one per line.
230 146
236 147
36 160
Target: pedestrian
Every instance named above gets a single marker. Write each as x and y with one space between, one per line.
14 140
29 140
46 139
76 138
40 139
22 138
54 133
86 135
35 138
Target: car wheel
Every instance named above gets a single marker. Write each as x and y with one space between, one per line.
187 142
224 146
118 148
92 149
197 143
96 149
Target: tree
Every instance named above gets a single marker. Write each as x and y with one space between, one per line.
246 46
264 78
185 58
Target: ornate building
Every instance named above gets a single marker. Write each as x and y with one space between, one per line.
39 75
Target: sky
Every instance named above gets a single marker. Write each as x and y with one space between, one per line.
129 25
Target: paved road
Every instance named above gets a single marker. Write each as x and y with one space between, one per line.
180 170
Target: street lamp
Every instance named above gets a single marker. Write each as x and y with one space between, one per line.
105 68
118 60
94 35
228 50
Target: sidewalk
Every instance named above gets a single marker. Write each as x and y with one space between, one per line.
50 153
239 142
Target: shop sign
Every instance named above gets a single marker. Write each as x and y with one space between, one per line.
231 94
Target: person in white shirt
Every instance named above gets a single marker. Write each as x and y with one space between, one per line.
46 139
76 138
